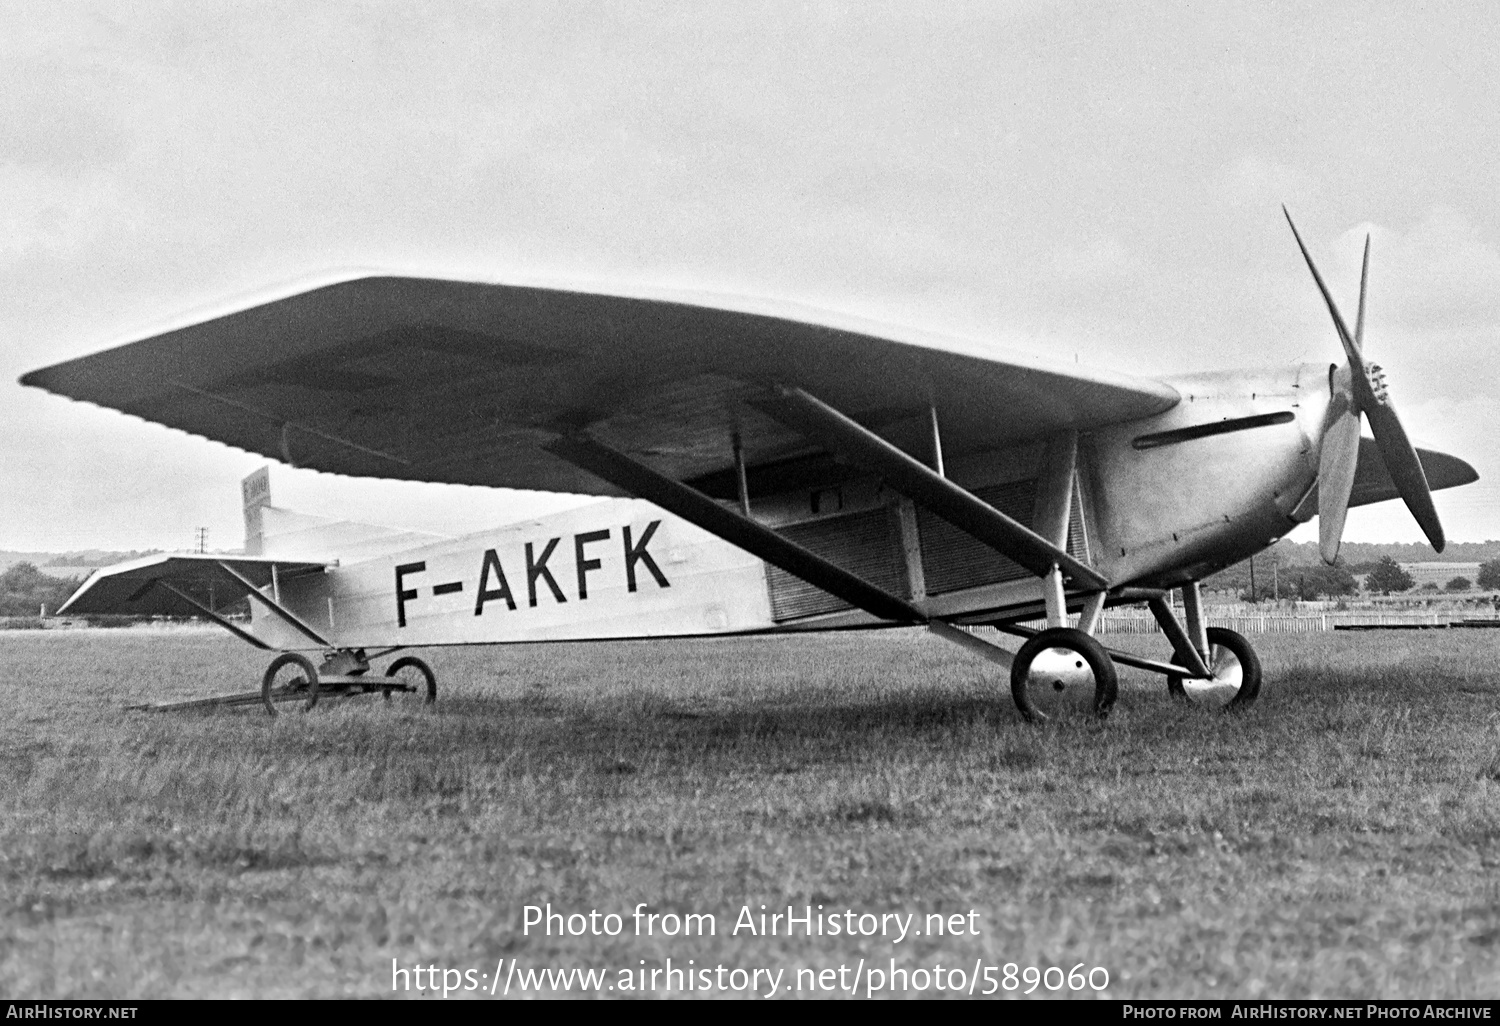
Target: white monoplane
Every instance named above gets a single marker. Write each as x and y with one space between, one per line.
776 469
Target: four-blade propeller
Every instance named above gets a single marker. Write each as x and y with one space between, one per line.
1359 389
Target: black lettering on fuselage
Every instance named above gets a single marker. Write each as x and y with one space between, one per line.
487 594
637 554
494 586
585 565
403 594
537 569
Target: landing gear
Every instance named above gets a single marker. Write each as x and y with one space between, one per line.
1236 673
1063 671
1233 679
291 676
411 676
1060 672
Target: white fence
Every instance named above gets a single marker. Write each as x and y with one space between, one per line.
1294 622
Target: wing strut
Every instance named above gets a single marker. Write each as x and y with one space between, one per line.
1182 642
858 444
756 539
275 607
231 627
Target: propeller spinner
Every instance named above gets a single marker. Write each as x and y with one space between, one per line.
1359 389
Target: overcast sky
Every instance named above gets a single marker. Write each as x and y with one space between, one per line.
1092 180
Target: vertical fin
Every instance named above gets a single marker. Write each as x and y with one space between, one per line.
256 493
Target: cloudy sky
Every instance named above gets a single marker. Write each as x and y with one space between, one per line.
1089 180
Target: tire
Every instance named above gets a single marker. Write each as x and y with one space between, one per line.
426 687
1236 670
309 679
1054 688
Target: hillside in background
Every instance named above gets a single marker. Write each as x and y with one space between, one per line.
96 557
1356 553
69 560
9 559
1296 569
69 565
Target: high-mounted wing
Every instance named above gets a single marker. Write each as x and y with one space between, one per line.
168 585
461 382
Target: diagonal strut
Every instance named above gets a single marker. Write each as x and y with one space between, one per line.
698 509
917 481
286 615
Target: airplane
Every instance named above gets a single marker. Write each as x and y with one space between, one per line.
766 468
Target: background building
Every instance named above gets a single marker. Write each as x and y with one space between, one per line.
1440 573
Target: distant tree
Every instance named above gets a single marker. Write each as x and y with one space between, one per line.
24 590
1314 582
1458 584
1430 586
1388 577
1489 575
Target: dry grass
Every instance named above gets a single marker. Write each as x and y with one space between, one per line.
1341 839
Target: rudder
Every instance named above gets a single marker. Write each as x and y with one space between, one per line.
255 490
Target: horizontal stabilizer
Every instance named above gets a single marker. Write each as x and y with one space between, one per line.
1372 481
145 587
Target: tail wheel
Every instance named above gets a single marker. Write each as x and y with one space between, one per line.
290 673
413 672
1236 673
1062 672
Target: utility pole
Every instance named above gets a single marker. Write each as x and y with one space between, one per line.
1252 578
202 533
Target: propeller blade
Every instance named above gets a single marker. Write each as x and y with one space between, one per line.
1395 448
1404 467
1351 350
1359 320
1372 400
1336 465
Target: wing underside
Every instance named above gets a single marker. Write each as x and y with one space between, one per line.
459 382
168 585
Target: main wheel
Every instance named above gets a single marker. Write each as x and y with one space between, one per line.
1060 672
411 671
303 676
1235 668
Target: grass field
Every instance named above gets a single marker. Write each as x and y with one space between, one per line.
1340 839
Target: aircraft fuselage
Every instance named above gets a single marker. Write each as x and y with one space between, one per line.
1156 502
1211 481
